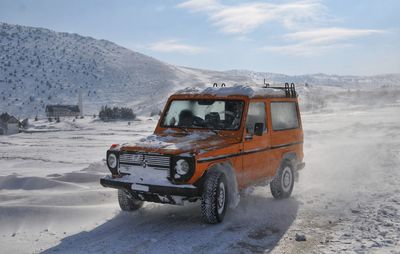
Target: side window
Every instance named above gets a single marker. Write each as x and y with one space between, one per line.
284 116
256 114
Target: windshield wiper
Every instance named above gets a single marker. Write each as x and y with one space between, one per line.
183 128
216 132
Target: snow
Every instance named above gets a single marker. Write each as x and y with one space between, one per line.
347 198
41 67
185 142
349 81
243 90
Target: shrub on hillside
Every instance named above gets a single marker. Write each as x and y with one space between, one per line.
25 123
116 113
155 112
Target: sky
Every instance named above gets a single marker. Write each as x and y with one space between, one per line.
347 37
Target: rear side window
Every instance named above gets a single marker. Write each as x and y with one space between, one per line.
284 116
256 114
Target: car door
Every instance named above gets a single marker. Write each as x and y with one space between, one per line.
255 148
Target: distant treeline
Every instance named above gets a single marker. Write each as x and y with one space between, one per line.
116 113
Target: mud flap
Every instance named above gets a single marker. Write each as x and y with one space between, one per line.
299 167
296 176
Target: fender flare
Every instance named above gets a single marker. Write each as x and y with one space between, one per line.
290 157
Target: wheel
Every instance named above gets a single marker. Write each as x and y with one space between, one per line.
282 184
214 199
127 202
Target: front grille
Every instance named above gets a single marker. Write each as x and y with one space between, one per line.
149 159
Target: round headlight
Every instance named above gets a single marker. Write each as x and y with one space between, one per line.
182 167
112 160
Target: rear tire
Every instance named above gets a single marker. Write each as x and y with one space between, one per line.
127 202
282 184
214 199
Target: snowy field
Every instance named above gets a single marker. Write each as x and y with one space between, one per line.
347 198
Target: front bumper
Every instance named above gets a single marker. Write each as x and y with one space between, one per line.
171 194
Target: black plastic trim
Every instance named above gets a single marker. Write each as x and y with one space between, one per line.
185 178
301 165
113 171
153 189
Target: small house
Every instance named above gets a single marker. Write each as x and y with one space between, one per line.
65 110
62 110
8 124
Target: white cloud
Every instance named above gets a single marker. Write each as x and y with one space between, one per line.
300 21
331 34
316 41
301 49
200 5
245 18
168 46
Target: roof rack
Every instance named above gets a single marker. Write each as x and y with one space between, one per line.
290 89
216 85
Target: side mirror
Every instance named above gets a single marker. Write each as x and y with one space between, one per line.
258 129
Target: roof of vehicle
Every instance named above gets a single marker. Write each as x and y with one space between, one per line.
241 90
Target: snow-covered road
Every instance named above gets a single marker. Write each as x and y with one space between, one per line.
347 199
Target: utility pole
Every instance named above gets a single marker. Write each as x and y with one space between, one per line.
80 105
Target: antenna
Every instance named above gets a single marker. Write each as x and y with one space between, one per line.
80 105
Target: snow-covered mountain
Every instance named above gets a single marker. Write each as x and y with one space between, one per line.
40 67
348 81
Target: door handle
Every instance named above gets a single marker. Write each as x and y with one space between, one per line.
248 137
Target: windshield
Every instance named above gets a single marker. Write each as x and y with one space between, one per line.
210 114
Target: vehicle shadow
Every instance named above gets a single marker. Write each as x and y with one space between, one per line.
255 226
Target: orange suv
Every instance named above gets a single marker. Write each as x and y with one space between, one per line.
209 145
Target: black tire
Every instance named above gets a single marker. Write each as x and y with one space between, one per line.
214 199
282 184
127 202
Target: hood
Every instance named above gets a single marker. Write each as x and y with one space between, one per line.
171 142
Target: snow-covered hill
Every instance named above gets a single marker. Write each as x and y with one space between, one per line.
40 67
322 79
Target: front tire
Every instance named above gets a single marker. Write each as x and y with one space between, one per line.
127 202
282 184
214 198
